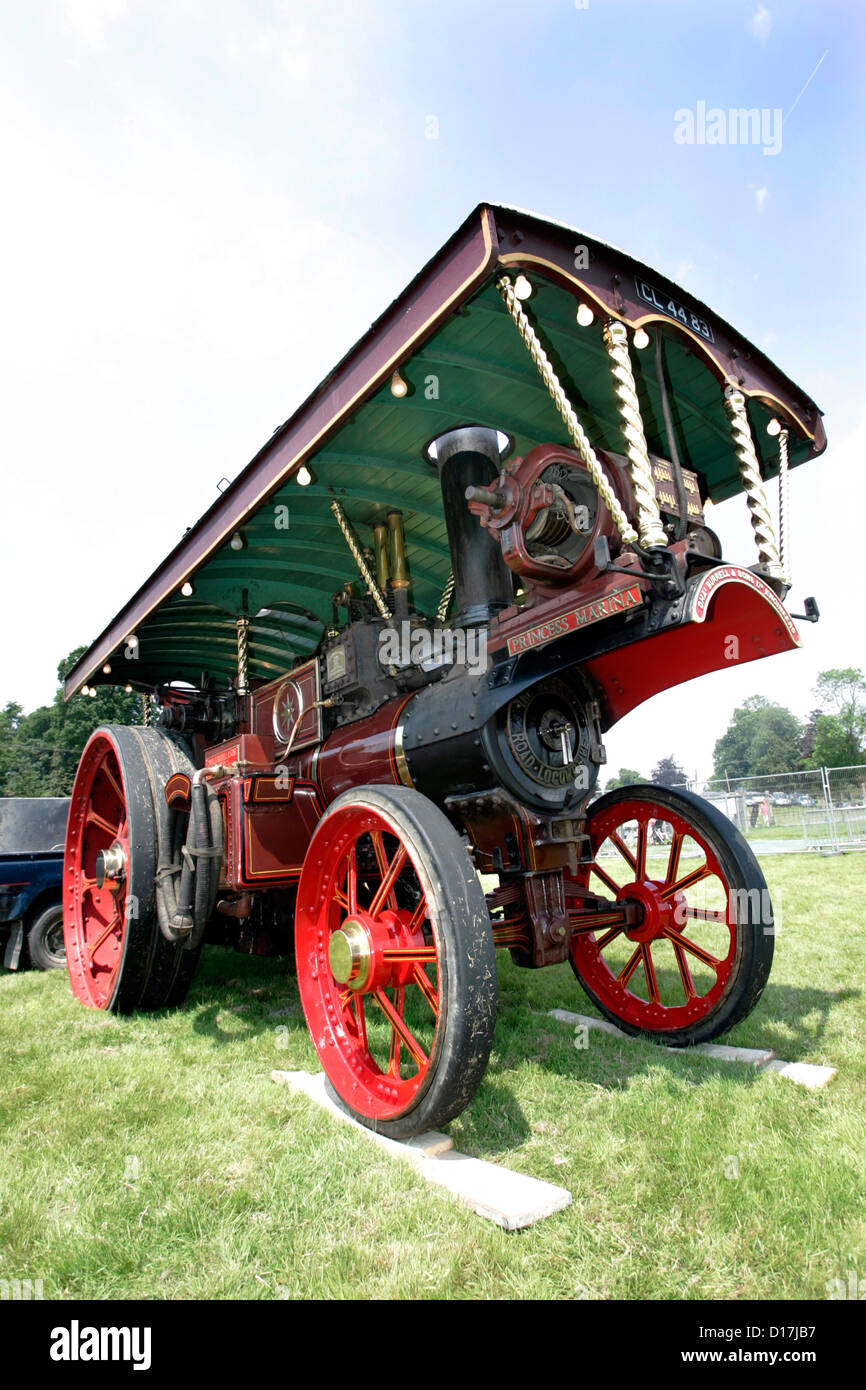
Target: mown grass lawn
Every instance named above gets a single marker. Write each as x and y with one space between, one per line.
153 1157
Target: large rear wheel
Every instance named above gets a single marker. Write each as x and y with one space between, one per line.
117 957
691 952
396 962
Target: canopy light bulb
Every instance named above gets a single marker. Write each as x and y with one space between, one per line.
641 338
92 693
774 427
186 589
304 477
106 670
132 642
85 690
237 541
398 385
585 315
128 689
522 287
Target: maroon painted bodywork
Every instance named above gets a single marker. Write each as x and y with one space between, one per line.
270 822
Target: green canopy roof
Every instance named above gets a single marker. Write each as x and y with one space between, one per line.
464 363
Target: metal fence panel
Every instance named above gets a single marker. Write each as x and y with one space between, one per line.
823 809
846 795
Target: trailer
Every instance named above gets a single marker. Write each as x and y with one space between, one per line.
378 673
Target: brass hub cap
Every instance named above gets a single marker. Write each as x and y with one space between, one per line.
110 866
350 955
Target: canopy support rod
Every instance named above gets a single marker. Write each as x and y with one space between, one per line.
566 410
357 554
243 685
783 505
753 484
649 522
445 600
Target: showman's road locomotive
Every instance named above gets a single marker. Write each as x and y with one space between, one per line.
378 672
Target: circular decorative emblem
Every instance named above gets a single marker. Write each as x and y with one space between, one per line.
288 704
547 734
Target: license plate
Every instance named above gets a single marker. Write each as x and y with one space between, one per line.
657 299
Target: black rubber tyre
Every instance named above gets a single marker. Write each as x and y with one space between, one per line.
740 922
118 799
45 940
175 963
404 1045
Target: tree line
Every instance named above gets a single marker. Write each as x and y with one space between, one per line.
763 737
39 752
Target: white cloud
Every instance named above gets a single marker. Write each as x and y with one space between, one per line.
89 18
760 24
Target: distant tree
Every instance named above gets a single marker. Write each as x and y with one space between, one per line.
10 718
807 742
840 726
626 777
833 746
761 738
668 773
39 752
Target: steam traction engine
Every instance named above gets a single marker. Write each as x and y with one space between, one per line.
378 672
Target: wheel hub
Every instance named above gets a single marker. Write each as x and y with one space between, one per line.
350 954
110 867
657 914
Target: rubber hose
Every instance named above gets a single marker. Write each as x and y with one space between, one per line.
183 919
208 836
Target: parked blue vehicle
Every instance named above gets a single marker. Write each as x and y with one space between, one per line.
32 833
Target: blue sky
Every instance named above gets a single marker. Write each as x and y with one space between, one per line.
206 204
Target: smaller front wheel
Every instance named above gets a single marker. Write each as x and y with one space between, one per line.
684 937
396 962
45 940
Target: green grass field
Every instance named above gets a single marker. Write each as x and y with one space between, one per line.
153 1157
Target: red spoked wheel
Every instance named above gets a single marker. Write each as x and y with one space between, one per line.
116 955
682 942
396 962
